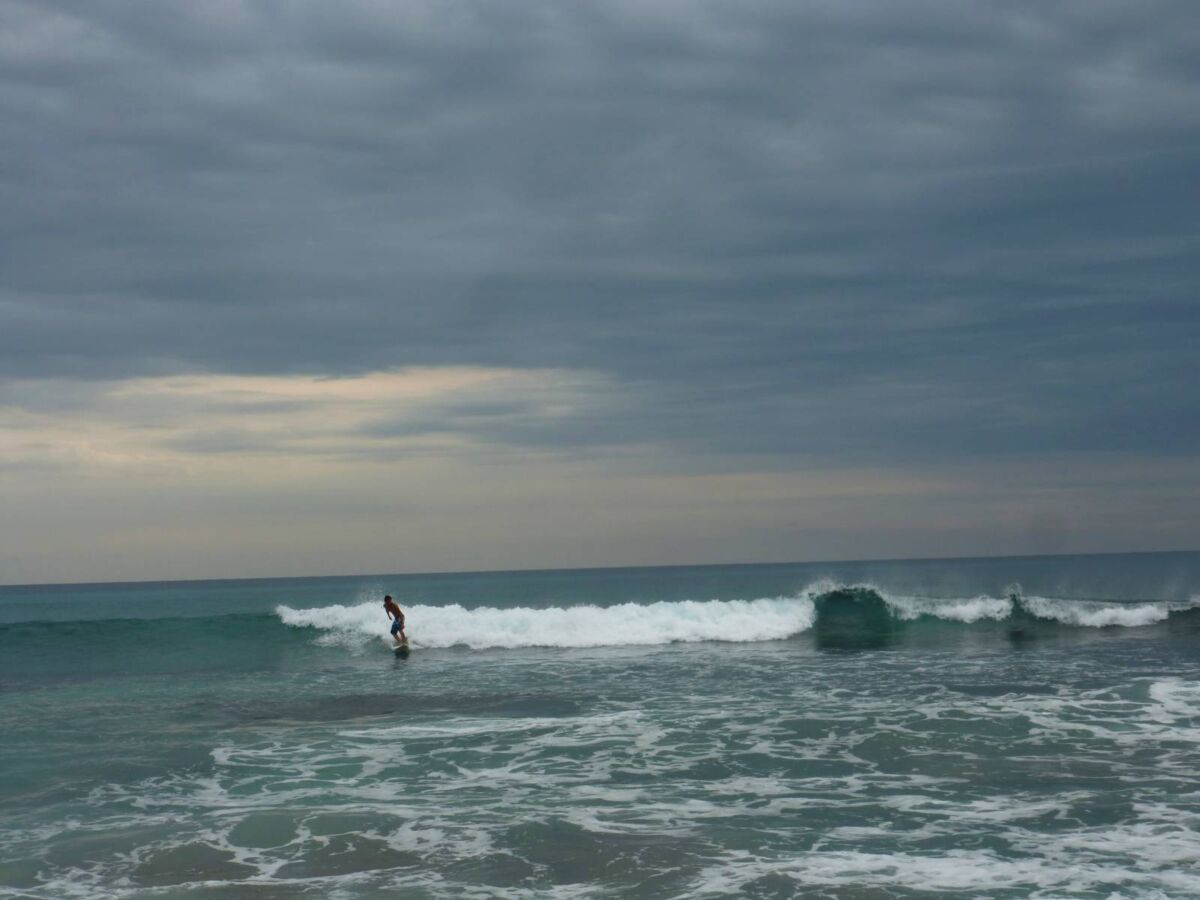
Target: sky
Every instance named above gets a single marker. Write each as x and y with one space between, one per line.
301 288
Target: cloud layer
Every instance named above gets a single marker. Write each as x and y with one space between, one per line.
712 237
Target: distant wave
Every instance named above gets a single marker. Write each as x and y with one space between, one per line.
763 619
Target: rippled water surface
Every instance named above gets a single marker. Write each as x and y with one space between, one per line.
890 742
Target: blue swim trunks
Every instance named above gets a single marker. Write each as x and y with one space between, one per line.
396 625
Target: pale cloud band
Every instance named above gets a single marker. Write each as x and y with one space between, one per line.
191 476
152 424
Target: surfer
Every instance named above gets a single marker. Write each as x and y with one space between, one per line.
397 617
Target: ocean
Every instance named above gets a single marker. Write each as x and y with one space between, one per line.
1017 727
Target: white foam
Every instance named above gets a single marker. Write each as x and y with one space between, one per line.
1096 614
965 609
1176 699
665 622
967 872
765 619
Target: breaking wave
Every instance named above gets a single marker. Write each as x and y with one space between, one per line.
764 619
820 606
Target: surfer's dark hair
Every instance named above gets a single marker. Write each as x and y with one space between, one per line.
387 597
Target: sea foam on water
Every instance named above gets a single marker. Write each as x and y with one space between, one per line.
764 619
689 621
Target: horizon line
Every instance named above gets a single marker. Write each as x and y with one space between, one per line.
614 568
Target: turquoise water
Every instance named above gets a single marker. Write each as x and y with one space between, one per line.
1001 728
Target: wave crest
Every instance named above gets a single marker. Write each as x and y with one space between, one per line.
1098 614
823 603
663 622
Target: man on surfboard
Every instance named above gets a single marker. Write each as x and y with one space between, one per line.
397 617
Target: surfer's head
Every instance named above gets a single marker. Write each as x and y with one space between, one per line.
387 598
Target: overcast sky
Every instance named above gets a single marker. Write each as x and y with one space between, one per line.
313 288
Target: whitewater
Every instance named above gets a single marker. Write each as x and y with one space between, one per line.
1008 728
581 626
689 621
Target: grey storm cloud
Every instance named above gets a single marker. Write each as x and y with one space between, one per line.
854 230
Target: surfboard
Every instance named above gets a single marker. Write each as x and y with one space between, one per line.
401 650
